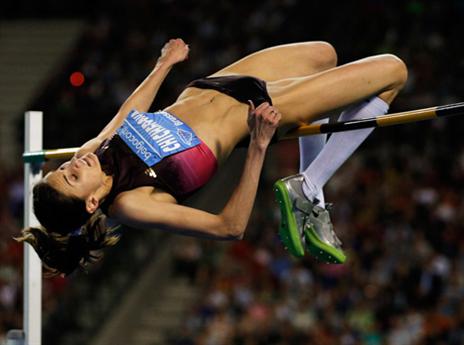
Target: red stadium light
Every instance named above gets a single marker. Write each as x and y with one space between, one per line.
77 79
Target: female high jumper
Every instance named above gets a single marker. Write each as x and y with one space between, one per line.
141 166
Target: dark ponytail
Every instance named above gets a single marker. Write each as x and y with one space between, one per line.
62 254
69 236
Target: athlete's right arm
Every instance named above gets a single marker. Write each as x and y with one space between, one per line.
174 51
141 99
139 209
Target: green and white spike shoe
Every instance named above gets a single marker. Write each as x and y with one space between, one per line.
295 210
304 224
321 240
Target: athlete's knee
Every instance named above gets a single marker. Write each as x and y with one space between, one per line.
396 74
397 70
323 55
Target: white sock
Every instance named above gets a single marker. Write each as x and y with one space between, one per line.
340 146
310 146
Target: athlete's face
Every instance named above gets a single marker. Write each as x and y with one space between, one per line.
79 177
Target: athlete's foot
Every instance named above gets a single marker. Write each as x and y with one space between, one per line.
321 240
294 210
304 224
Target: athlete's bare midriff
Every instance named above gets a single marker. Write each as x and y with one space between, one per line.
219 120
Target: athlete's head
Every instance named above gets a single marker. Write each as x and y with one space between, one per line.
81 178
66 203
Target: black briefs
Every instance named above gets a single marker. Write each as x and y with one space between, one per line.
240 87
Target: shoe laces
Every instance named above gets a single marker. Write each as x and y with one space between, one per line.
327 224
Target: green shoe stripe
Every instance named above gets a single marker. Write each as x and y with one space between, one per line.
288 230
321 250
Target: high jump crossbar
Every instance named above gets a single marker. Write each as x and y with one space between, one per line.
380 121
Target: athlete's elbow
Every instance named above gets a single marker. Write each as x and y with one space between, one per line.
233 230
235 234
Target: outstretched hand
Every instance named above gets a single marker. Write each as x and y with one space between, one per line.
262 123
176 50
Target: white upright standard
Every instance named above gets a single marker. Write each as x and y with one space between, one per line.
32 320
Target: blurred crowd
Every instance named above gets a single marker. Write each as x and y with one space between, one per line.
400 222
398 205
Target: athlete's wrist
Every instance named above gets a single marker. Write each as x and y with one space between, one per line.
163 64
258 146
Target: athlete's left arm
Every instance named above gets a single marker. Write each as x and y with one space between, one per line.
141 99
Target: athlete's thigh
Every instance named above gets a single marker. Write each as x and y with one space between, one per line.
285 61
305 99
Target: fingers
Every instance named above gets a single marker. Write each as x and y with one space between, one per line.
262 123
262 107
178 41
251 107
266 111
275 115
175 50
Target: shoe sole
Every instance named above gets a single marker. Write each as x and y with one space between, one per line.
288 230
320 250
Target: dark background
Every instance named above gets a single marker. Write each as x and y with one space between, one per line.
398 201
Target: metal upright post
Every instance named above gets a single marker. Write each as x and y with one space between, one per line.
32 321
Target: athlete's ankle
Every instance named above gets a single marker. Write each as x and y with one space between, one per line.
310 190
